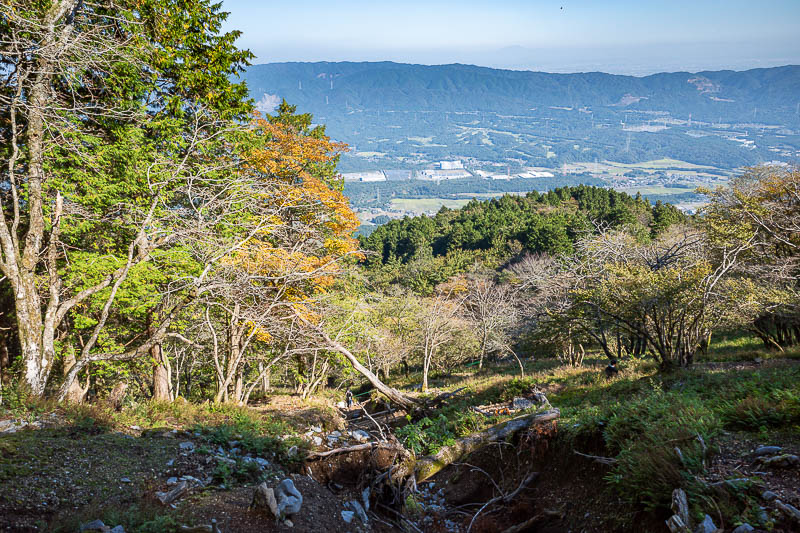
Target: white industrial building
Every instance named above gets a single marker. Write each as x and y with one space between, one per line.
375 175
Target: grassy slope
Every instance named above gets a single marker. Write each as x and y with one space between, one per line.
641 417
73 471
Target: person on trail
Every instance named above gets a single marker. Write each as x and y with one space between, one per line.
348 398
611 369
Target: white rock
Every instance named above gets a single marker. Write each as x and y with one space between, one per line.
347 516
360 435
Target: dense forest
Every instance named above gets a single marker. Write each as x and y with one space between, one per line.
182 285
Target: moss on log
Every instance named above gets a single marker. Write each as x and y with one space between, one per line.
429 465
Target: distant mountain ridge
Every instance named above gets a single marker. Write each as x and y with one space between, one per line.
764 95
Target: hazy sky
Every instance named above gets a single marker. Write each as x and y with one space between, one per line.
625 36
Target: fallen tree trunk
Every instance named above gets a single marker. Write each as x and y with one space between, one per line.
429 465
406 402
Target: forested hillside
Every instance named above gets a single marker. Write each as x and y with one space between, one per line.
192 338
468 88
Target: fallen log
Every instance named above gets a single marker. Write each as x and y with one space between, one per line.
429 465
442 397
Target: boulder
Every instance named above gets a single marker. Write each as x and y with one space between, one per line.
358 510
94 525
522 403
766 450
288 497
789 510
782 461
360 435
706 526
768 496
264 498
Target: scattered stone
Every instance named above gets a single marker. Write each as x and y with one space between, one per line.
365 498
11 426
94 525
288 523
360 435
316 429
744 528
522 403
782 461
706 526
264 498
288 497
125 480
263 463
789 510
188 445
317 441
223 459
117 529
198 529
335 434
347 516
172 481
136 428
171 462
167 498
766 450
192 479
768 495
292 451
358 510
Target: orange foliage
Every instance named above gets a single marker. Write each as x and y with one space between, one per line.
311 226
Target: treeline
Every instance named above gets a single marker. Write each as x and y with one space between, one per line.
381 193
496 230
586 268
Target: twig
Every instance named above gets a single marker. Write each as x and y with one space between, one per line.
380 429
524 525
356 448
598 458
399 514
504 498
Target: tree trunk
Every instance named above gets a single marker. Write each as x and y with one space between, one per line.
75 393
162 380
396 396
427 466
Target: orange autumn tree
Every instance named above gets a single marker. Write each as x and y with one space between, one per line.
295 256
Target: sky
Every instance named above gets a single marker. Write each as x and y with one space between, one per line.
620 36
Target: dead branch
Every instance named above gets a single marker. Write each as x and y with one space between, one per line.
356 448
597 458
505 498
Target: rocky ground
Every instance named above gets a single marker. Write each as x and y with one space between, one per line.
60 473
